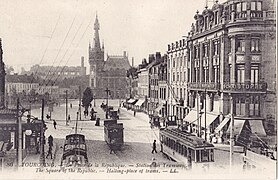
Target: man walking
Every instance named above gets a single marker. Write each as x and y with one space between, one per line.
54 124
154 147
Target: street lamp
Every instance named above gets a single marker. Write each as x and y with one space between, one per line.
107 92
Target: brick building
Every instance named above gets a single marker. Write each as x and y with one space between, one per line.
111 74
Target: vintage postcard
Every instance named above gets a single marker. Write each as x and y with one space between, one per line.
130 89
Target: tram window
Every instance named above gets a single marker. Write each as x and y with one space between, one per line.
192 152
205 155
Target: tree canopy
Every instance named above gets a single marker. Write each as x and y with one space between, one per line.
87 97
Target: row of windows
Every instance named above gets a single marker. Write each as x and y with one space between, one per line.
181 76
240 75
254 6
241 45
254 106
154 94
177 61
196 76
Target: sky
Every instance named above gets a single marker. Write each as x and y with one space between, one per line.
58 32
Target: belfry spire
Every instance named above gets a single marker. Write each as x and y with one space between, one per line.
96 38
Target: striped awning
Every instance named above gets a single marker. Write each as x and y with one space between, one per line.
139 102
257 127
222 124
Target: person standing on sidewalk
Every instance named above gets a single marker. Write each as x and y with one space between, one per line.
54 124
49 153
154 147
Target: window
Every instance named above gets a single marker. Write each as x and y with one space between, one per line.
238 7
173 76
255 45
240 74
240 106
259 6
253 6
178 76
216 18
173 62
254 75
241 7
216 48
254 106
240 45
229 45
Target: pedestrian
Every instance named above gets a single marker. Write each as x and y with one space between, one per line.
50 140
49 153
70 105
69 118
154 147
54 124
134 113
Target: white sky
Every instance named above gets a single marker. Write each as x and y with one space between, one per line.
140 27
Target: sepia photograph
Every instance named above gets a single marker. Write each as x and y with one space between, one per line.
138 89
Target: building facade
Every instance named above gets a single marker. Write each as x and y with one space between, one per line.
177 80
231 68
110 74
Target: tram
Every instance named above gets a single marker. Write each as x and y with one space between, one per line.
113 134
187 148
75 151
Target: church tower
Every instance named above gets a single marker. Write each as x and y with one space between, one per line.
2 78
96 59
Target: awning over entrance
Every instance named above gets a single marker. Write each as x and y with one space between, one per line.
139 102
238 126
160 106
191 116
257 127
131 101
209 119
222 124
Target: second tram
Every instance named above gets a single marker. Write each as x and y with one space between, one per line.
187 148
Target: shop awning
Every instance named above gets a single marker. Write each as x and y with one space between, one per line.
160 106
257 127
139 102
191 116
131 101
209 119
222 124
238 126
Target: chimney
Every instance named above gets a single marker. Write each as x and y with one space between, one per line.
82 61
157 56
151 58
132 61
124 53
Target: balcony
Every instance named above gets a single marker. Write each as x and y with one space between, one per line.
203 85
261 86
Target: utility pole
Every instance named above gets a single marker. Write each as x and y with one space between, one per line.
19 145
66 107
232 134
42 157
205 104
80 102
107 92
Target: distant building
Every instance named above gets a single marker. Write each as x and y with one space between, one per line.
58 72
111 74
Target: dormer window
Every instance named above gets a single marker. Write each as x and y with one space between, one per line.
216 18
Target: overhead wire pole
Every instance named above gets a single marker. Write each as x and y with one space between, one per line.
19 145
66 107
42 156
231 133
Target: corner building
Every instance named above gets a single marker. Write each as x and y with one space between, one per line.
231 67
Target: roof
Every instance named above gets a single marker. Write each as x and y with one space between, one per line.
116 62
20 78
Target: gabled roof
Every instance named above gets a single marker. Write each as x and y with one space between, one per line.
116 62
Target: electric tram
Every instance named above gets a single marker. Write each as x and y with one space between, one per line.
113 134
74 151
187 148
